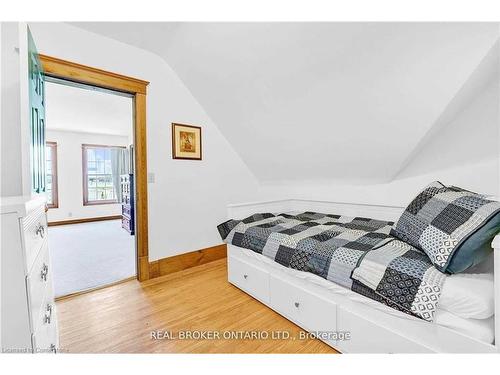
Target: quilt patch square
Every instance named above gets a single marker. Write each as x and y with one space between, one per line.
451 218
308 244
257 217
356 245
300 260
409 228
431 209
325 236
319 262
333 216
310 224
238 239
302 227
420 201
269 225
359 226
411 267
372 238
254 240
284 255
346 256
471 203
291 231
333 243
431 240
399 288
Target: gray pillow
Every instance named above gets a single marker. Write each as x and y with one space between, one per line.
453 226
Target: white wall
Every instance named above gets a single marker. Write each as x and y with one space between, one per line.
464 152
188 198
399 192
11 174
69 174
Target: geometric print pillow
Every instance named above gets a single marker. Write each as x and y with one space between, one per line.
441 218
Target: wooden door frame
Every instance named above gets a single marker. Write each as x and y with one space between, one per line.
71 71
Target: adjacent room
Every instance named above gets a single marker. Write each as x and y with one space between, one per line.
89 157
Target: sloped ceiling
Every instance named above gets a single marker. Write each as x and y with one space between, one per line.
463 144
308 101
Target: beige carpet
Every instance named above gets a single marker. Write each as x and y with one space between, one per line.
90 255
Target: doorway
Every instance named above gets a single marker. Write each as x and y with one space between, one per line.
74 73
90 195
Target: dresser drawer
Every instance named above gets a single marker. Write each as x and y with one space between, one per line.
310 311
39 283
35 233
45 337
251 279
369 337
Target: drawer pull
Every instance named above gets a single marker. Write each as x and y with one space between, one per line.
40 230
297 304
48 315
245 276
44 272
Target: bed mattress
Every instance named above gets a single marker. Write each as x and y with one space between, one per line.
480 329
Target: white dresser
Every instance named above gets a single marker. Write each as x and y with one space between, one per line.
29 322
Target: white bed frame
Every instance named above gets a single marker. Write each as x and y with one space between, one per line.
317 309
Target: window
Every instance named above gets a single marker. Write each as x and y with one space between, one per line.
98 187
51 174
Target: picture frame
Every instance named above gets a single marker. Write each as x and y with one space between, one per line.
186 142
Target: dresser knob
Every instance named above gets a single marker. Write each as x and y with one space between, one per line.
40 230
297 304
44 272
48 315
245 276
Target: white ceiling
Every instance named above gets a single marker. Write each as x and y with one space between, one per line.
349 101
85 110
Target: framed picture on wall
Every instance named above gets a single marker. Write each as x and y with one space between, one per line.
186 142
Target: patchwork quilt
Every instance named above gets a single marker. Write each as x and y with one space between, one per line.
355 252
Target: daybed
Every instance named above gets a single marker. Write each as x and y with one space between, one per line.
353 323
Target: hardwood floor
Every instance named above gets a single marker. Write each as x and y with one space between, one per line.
121 318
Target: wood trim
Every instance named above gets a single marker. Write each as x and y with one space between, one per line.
84 220
93 76
154 269
138 88
141 186
55 192
166 266
141 177
143 267
57 299
174 156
